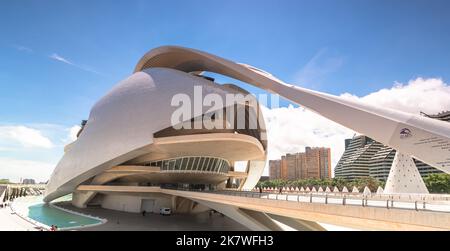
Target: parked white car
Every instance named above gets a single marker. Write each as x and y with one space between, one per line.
165 211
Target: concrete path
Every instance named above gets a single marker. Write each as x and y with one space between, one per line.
123 221
12 222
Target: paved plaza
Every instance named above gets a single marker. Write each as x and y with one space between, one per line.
12 222
123 221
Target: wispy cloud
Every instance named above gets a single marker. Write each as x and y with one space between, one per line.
22 48
318 67
24 136
61 59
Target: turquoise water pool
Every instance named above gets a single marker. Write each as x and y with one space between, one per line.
48 215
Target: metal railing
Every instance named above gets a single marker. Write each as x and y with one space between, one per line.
349 199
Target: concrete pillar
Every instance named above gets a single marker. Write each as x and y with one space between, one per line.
80 199
404 176
256 221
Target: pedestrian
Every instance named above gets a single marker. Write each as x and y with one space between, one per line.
143 212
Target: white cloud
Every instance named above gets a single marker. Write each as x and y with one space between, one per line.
318 67
25 136
61 59
427 95
291 129
31 150
73 132
22 48
14 169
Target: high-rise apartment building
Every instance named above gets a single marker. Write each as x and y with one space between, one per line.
315 162
274 169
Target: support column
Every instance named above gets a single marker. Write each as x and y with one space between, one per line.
297 224
404 177
256 221
81 199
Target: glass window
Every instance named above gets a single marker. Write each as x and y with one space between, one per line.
226 167
211 165
183 163
178 164
191 163
188 162
195 165
165 165
172 164
219 166
208 164
214 168
205 165
200 164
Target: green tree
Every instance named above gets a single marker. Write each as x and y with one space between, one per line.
438 183
4 181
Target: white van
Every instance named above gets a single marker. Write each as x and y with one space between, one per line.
165 211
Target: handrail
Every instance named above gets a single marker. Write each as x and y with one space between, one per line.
327 198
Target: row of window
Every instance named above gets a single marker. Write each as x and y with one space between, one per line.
201 164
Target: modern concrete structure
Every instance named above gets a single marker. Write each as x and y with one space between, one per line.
365 157
130 141
257 212
357 157
444 116
404 177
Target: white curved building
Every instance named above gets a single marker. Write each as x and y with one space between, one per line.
129 137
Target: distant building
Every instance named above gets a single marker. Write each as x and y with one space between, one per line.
315 162
274 169
28 181
364 157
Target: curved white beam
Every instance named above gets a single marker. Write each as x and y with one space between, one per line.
426 139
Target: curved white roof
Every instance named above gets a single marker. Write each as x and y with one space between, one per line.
122 124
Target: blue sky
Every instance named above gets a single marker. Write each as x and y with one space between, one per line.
58 57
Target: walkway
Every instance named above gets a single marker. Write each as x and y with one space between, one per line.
12 222
353 216
123 221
